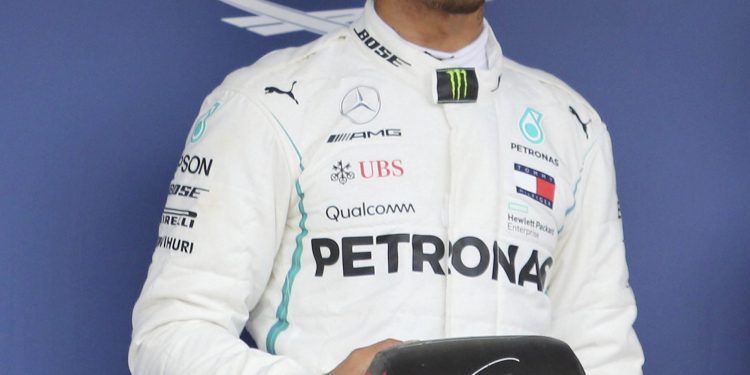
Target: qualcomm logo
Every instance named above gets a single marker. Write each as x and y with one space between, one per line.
274 19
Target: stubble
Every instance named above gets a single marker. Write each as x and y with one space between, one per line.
455 6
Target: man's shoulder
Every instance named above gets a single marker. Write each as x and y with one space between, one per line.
551 86
286 62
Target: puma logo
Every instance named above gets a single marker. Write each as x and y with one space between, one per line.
275 90
584 126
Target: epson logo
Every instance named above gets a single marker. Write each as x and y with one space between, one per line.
382 133
195 165
468 256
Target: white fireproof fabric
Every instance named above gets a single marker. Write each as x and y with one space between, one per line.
326 201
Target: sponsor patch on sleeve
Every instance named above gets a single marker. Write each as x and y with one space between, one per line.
534 184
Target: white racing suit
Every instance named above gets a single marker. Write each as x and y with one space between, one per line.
355 189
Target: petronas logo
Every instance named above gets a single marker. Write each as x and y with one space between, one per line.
199 127
457 85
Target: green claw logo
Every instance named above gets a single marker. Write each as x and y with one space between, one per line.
459 81
457 85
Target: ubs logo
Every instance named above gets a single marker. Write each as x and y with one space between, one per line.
342 173
368 169
381 168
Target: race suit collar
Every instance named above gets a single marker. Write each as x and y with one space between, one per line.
472 55
413 65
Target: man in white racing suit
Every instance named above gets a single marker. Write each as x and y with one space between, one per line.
362 187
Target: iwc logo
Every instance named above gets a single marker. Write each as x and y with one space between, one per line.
361 105
531 126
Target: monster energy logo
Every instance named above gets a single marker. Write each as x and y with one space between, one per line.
457 85
458 81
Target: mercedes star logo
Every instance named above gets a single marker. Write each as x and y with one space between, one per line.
361 105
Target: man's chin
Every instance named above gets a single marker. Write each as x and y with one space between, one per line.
456 6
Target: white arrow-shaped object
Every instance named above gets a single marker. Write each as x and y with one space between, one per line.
273 19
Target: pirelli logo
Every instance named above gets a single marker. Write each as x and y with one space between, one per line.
457 85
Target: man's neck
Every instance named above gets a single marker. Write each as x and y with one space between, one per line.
423 25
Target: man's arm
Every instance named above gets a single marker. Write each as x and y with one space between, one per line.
593 305
218 238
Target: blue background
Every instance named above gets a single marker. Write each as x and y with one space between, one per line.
96 98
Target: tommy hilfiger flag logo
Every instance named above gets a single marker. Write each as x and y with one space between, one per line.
457 85
534 184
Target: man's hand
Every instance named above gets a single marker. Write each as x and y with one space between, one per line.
359 360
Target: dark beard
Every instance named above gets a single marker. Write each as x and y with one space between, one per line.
455 6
